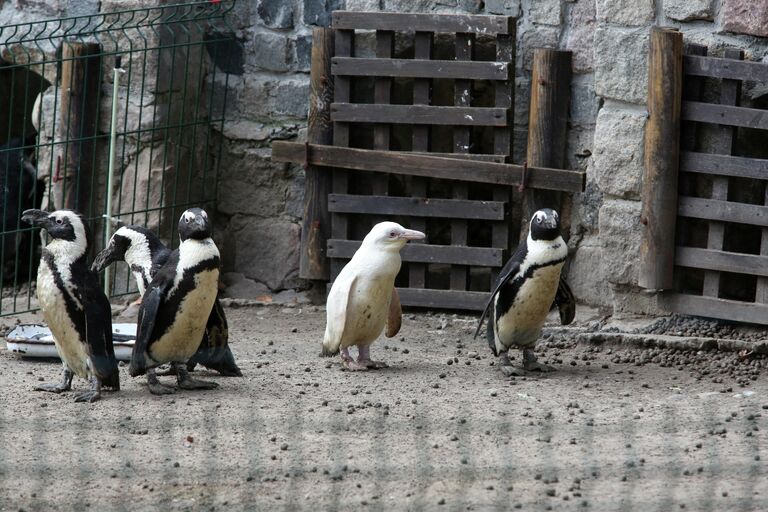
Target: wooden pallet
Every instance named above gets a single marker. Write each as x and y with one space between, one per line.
462 190
719 259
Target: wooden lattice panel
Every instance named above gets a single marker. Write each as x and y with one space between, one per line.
721 256
456 273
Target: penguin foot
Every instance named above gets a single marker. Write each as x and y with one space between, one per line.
186 382
512 371
165 372
532 365
88 396
58 387
353 366
154 385
53 387
374 365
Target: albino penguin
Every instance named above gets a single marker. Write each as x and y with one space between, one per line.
363 298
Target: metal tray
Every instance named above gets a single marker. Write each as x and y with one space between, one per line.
36 340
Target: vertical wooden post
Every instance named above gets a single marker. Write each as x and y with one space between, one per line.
547 122
662 154
316 224
80 79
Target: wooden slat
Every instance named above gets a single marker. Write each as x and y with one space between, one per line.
418 114
487 25
443 299
725 114
722 142
480 157
422 49
725 68
723 261
723 211
416 206
724 165
382 93
424 253
398 162
420 68
339 224
716 308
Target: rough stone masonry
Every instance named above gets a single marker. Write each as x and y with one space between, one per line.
260 200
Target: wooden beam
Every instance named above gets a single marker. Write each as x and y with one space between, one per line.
723 261
419 114
724 165
316 223
725 68
548 123
723 211
713 307
410 164
662 150
424 253
421 68
416 206
443 299
725 114
473 24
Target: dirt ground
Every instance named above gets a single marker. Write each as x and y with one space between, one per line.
296 432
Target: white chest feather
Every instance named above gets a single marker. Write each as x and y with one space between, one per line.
66 338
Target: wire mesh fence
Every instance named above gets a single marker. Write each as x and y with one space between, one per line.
56 83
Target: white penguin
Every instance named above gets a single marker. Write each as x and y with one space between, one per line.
363 298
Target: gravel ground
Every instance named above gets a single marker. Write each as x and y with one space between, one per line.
615 428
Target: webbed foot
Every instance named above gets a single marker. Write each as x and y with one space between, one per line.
532 365
364 358
154 385
58 387
512 371
186 382
353 366
92 395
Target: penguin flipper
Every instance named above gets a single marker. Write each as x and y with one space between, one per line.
98 335
214 352
394 315
490 334
336 306
565 302
508 272
150 304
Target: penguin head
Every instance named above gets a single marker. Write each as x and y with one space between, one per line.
545 225
66 227
114 251
386 235
194 224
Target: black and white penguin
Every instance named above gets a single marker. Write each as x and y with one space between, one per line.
524 293
74 306
145 253
176 306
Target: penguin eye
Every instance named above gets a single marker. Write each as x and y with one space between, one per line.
186 220
392 234
59 221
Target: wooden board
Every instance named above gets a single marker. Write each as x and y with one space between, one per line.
723 211
723 261
712 307
725 68
724 165
411 164
488 25
416 206
425 253
725 115
443 299
418 114
419 68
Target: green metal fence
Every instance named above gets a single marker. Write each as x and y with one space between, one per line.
56 83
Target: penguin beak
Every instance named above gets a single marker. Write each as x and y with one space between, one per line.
412 234
104 258
37 218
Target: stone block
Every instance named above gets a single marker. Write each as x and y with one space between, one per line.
688 10
251 183
240 287
618 151
579 147
268 51
226 50
581 35
503 7
621 63
258 98
745 17
363 5
275 13
635 301
318 12
542 36
585 274
586 209
626 12
584 103
546 12
266 250
619 234
303 52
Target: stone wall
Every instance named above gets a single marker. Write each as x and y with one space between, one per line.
259 201
609 41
